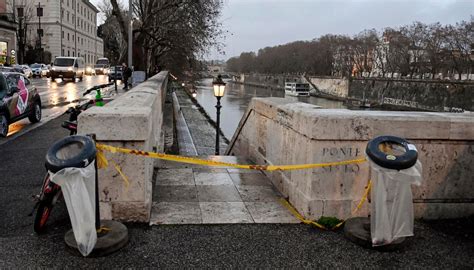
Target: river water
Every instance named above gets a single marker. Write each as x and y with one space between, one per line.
237 97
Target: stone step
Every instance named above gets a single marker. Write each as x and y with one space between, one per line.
194 194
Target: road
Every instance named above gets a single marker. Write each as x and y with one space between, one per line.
56 97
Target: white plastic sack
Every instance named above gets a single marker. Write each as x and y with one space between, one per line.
392 203
78 187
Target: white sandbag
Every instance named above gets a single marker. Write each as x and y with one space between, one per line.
78 187
392 202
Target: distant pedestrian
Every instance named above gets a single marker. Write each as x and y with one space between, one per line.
126 74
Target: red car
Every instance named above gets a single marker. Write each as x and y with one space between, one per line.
18 99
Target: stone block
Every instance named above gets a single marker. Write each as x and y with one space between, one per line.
132 211
280 132
134 121
116 124
105 209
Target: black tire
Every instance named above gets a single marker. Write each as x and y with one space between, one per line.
42 215
83 157
35 115
3 125
389 161
53 79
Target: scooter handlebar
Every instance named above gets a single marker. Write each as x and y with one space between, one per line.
100 86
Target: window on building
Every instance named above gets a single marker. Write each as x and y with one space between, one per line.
62 52
62 14
67 36
68 53
72 37
67 16
62 34
73 54
67 2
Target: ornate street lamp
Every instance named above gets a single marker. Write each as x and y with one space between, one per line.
219 89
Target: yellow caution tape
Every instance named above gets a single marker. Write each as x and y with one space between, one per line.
103 229
312 222
197 161
102 163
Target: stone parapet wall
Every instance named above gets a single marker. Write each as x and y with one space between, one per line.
133 120
276 131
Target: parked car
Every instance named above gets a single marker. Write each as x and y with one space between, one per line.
39 70
68 67
26 70
115 75
7 69
18 99
18 69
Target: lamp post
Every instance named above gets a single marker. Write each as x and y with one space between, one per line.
219 89
39 13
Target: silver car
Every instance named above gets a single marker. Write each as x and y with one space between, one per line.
39 70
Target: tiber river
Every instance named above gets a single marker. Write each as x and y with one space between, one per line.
237 97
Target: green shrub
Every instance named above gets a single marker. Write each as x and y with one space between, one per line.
328 222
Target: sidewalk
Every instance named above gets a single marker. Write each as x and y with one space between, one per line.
442 244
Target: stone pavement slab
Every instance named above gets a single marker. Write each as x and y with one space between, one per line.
222 195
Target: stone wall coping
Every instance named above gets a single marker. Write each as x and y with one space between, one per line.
128 117
316 123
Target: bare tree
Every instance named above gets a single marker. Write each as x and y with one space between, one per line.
183 29
363 45
459 40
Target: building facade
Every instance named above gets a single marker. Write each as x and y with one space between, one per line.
69 27
8 38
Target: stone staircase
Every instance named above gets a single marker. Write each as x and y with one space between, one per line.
192 194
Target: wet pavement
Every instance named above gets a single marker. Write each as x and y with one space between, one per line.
56 97
203 133
445 244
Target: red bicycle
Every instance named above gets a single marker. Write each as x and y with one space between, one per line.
50 192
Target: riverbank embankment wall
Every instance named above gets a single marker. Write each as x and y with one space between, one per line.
431 95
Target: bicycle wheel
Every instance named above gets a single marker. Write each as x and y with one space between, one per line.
49 195
42 215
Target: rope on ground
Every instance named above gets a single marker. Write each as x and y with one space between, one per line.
314 223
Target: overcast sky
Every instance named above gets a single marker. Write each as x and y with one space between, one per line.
255 24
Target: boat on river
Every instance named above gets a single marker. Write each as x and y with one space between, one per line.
296 89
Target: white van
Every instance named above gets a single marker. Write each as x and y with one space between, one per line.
68 67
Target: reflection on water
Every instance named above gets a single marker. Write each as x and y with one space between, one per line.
237 97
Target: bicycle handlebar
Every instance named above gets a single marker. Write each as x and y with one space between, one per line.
100 86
